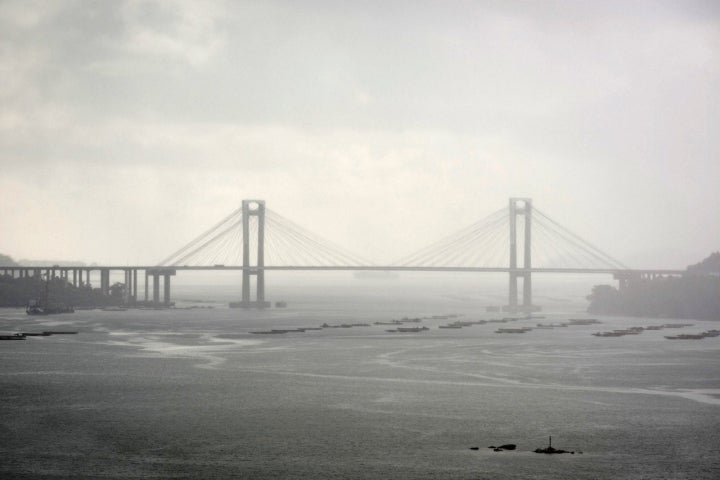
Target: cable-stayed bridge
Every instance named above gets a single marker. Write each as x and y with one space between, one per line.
518 239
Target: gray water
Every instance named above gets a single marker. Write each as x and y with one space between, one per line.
193 394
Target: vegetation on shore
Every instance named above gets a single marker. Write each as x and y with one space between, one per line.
711 265
17 292
695 294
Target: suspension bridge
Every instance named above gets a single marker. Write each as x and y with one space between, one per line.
519 239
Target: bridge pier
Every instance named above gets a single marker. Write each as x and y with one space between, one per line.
253 208
156 273
520 206
166 290
632 279
128 287
156 288
105 282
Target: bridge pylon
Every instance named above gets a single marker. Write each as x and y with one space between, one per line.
517 207
253 208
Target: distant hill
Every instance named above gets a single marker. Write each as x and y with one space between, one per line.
7 261
710 265
46 263
692 295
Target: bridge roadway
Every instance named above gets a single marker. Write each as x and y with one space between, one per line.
154 273
393 268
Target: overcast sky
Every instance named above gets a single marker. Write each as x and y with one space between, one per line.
128 127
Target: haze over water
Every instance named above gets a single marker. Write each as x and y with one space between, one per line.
193 394
128 127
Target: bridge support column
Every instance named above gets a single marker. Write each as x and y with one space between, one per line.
253 208
520 206
128 286
627 280
105 282
527 258
166 293
166 273
156 288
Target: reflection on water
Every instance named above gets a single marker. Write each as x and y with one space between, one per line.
193 394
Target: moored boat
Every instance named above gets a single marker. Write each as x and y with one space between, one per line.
13 336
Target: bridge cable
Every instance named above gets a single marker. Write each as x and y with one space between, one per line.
581 243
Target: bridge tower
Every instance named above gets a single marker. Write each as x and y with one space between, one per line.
517 207
253 208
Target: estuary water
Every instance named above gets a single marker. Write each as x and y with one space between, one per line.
192 393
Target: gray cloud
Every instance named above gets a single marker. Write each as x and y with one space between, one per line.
139 123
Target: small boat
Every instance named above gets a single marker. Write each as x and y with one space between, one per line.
37 309
697 336
583 321
13 336
408 330
410 320
513 330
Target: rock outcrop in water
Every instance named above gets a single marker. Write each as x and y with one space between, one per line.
551 450
507 446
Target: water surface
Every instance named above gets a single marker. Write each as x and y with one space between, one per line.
193 394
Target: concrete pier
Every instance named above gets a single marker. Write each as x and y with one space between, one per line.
520 206
253 208
156 273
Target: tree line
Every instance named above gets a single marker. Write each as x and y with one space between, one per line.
696 294
18 292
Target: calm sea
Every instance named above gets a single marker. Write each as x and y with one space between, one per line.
191 393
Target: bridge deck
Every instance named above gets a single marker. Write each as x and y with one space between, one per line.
393 268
